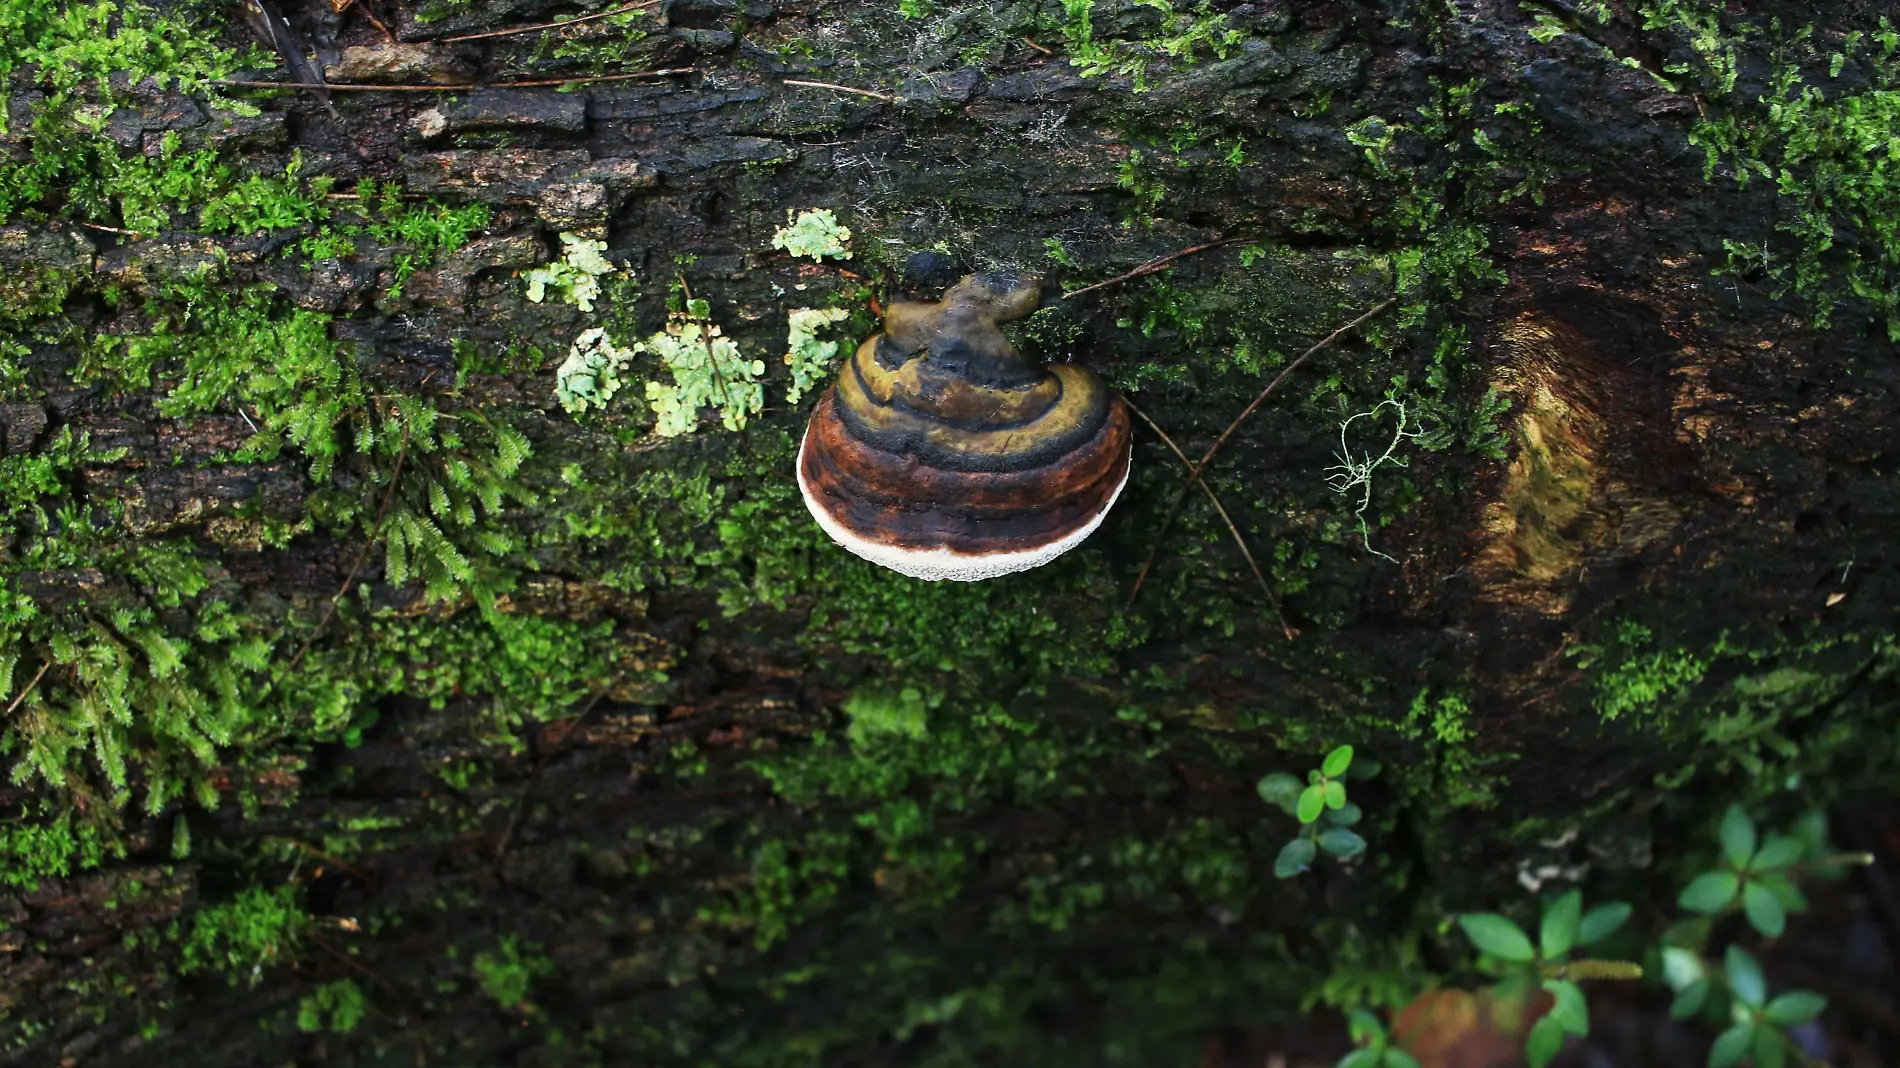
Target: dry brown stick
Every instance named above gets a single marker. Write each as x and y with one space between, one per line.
368 14
15 703
395 483
1214 500
842 89
1154 265
544 25
321 855
404 88
111 229
1206 458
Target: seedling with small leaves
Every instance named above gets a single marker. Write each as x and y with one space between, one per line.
1758 875
1326 816
1374 1046
1564 927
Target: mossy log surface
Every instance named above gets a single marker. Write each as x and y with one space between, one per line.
635 767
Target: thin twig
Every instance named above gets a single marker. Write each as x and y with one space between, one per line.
514 814
1225 518
112 229
842 89
15 703
545 25
1153 266
389 497
1195 475
321 855
1031 42
359 966
356 87
370 15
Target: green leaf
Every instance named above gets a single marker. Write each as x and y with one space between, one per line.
1398 1058
1795 1007
1729 1047
1365 1027
1363 1057
1279 789
1559 930
1498 936
1681 966
1778 852
1312 802
1764 910
1744 977
1769 1052
1785 891
1344 816
1602 922
1294 857
1546 1039
1710 892
1738 837
1337 762
1364 768
1335 794
1571 1011
1690 1000
1342 843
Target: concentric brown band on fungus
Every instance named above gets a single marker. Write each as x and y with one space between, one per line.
942 454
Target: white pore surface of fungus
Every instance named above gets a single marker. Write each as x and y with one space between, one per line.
936 565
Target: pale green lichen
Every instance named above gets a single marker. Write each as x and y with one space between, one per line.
590 376
814 233
576 276
809 358
708 370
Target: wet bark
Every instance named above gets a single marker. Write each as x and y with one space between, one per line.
1681 451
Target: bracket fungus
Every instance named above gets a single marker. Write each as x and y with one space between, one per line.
942 453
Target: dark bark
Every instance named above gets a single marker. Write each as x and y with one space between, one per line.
1068 864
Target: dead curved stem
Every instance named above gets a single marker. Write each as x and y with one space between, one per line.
1195 474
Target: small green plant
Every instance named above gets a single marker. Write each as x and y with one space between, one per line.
337 1007
813 233
590 376
1759 1023
809 358
507 974
1058 252
1565 927
1374 1045
575 277
1320 804
708 371
1756 875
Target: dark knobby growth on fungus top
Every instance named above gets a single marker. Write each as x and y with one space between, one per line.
942 454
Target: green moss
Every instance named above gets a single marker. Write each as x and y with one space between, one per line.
337 1007
260 928
1824 145
31 852
507 973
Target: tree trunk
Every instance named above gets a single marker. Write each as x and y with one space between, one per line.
368 704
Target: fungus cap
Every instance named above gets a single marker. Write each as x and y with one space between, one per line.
941 453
